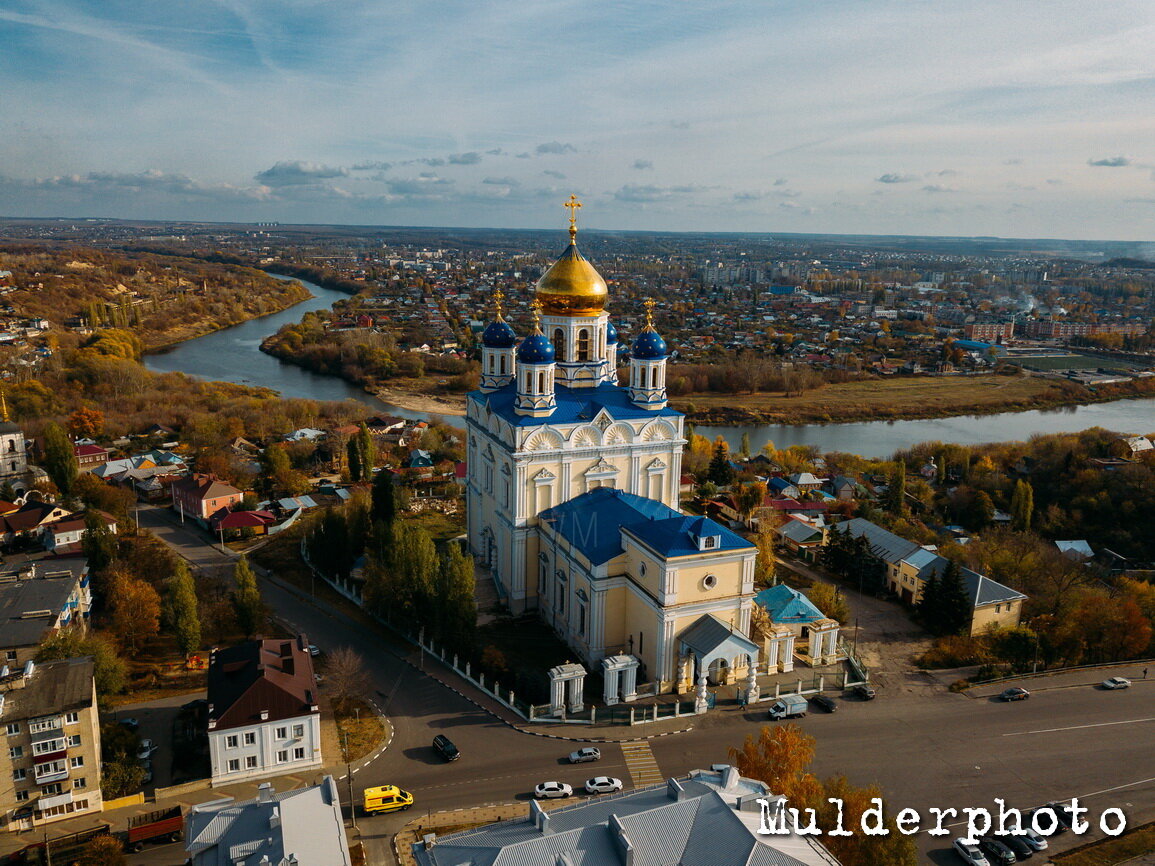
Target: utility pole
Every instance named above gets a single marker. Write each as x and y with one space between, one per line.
349 777
855 650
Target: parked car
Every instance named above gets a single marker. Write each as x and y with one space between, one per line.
603 785
1015 694
997 852
147 765
444 747
582 756
552 790
1116 683
132 723
314 650
1030 837
970 853
867 693
824 703
1023 849
1062 825
147 747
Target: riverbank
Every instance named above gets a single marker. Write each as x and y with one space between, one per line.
420 402
900 399
293 294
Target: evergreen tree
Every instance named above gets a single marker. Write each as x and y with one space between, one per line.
930 604
745 451
180 610
368 450
894 499
353 455
384 507
956 612
1022 505
720 471
59 458
246 598
982 509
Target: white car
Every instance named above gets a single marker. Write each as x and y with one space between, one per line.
603 785
970 853
581 756
314 650
552 790
1033 839
1116 683
147 747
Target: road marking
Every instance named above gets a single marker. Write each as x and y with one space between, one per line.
641 764
1084 796
1080 727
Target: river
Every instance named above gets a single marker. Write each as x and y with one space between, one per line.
234 355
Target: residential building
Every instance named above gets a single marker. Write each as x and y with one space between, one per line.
990 332
572 494
301 827
264 718
201 496
64 537
708 818
50 762
30 519
89 456
909 566
37 598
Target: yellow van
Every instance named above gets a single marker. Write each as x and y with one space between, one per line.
387 798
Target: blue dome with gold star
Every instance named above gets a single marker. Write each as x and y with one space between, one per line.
649 346
611 334
536 349
498 335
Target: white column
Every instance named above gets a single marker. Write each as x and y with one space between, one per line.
700 704
610 692
557 702
575 694
752 693
630 686
772 655
788 653
832 649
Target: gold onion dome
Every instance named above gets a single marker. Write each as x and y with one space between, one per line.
572 287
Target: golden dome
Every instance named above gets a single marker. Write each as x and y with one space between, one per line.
572 287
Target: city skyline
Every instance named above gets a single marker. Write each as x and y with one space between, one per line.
882 118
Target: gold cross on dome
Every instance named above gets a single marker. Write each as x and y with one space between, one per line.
573 204
498 297
649 305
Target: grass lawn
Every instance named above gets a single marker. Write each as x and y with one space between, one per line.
908 397
1109 852
441 526
530 649
364 728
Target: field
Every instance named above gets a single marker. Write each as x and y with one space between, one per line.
1072 362
908 397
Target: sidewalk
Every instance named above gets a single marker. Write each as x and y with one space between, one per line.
1083 678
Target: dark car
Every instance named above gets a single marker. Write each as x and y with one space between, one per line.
1022 848
1062 823
1015 694
997 852
867 693
444 747
825 703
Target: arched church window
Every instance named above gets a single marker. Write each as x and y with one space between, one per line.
502 362
559 343
583 345
541 382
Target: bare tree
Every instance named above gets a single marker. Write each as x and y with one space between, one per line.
346 675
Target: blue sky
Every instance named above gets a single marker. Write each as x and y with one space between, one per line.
1030 118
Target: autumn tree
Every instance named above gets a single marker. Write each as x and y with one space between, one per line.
109 669
362 455
59 457
749 497
246 598
180 610
346 676
780 756
1022 506
103 851
86 423
98 543
135 607
456 606
767 557
830 600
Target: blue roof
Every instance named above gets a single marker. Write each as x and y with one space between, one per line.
649 346
787 606
611 334
573 405
536 349
499 335
593 522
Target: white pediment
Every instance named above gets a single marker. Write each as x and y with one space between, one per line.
544 477
656 465
601 468
603 419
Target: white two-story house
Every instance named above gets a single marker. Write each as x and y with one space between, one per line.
264 717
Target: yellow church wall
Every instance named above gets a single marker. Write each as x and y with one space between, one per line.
615 618
690 577
641 621
655 571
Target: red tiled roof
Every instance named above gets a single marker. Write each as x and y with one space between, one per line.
273 676
89 450
205 487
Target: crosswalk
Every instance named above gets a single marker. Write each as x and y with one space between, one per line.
642 766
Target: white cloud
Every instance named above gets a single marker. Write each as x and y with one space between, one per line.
297 172
893 177
1110 162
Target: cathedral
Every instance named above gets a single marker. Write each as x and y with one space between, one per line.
573 486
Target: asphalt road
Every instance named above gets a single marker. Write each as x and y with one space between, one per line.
941 750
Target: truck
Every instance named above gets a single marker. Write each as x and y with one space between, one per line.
788 706
163 825
62 849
